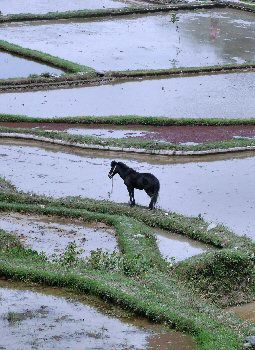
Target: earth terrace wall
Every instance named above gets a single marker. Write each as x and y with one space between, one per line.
88 77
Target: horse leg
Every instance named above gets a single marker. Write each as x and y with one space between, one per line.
153 201
131 196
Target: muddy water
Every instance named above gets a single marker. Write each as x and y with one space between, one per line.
197 38
52 235
176 247
220 188
106 133
44 6
245 312
50 319
17 67
216 96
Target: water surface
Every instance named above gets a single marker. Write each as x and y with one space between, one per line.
219 188
44 318
52 235
18 67
212 96
44 6
197 38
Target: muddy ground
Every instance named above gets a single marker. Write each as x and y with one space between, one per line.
172 134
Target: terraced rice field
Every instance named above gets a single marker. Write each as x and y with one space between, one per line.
166 88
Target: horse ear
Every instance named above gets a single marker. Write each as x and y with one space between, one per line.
113 163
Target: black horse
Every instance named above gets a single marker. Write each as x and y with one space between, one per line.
132 179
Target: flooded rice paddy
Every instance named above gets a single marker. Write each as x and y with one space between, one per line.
197 38
215 96
220 188
52 235
17 67
175 247
51 319
44 6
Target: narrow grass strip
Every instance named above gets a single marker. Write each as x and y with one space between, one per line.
192 227
180 71
39 56
98 13
129 120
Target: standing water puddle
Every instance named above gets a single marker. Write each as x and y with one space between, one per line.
44 6
197 38
17 67
215 96
52 235
175 247
219 188
106 133
44 318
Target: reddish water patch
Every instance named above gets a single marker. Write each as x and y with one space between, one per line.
173 134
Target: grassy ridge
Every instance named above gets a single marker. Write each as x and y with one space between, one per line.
156 294
193 227
124 144
180 70
105 12
129 120
39 56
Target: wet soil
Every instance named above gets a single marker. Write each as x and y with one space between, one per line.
219 188
47 318
52 235
44 6
198 38
245 312
215 96
172 134
17 67
175 247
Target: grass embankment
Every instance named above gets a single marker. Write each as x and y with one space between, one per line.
128 120
131 144
39 56
98 13
144 283
139 73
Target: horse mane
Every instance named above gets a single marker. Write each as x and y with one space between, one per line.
125 167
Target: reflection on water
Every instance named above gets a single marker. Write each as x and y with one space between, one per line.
215 96
197 38
219 188
17 67
175 247
46 318
44 6
52 235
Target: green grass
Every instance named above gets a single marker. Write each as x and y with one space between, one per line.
39 56
180 71
129 120
131 143
151 290
104 12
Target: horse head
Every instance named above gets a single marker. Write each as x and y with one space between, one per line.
113 170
